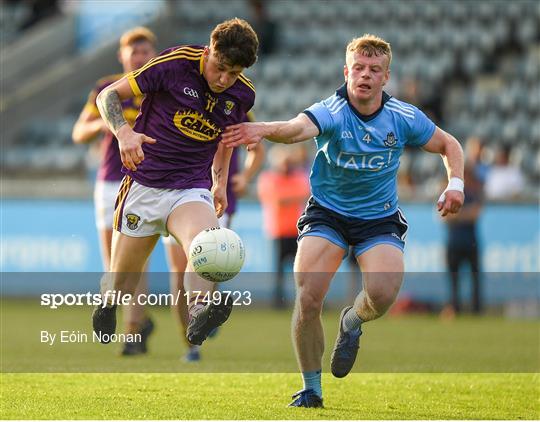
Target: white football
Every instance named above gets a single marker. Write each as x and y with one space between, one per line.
217 254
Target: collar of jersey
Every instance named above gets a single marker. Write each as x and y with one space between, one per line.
342 92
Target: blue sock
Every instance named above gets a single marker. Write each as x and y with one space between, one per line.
312 380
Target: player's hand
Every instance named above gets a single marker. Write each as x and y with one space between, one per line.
242 134
450 202
220 200
130 145
239 184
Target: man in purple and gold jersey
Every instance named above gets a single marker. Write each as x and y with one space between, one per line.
237 184
191 94
137 47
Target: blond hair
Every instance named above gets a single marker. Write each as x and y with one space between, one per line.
370 45
137 34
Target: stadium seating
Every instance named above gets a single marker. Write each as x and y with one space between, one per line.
481 58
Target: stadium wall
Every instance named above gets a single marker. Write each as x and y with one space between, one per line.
59 237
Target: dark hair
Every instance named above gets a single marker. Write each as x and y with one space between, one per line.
235 42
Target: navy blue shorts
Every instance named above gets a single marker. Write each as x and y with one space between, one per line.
346 231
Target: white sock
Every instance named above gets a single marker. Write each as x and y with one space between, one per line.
351 320
195 307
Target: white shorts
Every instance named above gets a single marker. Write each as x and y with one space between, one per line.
142 211
224 221
105 193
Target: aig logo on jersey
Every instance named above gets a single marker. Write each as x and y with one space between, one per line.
191 92
390 140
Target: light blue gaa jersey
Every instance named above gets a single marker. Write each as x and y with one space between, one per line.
355 168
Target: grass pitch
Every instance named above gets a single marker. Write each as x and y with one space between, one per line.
264 396
412 368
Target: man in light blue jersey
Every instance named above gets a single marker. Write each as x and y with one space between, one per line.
360 133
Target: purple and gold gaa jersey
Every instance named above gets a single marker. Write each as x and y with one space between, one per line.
185 118
110 167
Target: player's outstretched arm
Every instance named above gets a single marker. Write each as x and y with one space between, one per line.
299 129
110 106
451 200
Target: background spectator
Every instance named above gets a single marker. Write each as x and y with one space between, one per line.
283 191
462 244
504 180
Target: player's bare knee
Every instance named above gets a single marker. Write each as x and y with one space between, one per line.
309 305
124 287
310 280
126 283
115 282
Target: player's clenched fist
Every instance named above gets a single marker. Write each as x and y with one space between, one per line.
451 200
220 200
130 145
451 203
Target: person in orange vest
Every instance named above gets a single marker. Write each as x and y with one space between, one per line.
282 190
